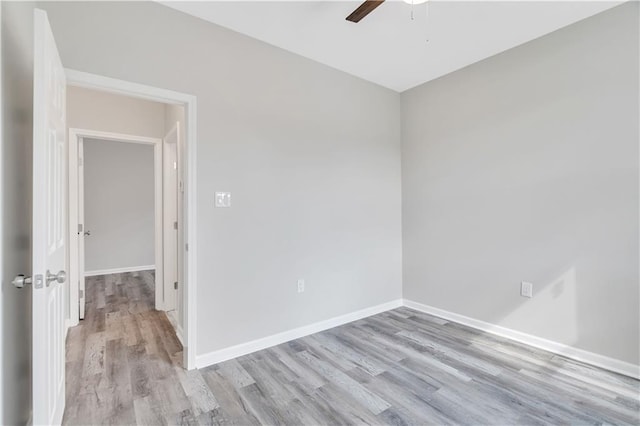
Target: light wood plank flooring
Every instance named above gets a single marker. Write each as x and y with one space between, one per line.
399 367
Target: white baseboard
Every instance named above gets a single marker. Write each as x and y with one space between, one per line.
67 326
119 270
592 358
225 354
174 322
179 335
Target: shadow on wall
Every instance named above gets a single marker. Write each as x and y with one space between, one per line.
562 292
524 166
16 157
556 296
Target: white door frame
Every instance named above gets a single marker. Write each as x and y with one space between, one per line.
75 136
171 201
189 278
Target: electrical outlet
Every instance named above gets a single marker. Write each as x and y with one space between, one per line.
300 286
526 289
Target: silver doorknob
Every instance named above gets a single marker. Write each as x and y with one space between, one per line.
60 277
20 281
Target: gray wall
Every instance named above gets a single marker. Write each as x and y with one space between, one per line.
15 222
127 240
119 205
525 167
310 155
107 112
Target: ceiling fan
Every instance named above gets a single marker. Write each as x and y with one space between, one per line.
369 5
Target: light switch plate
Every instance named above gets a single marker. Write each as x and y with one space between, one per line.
223 199
526 289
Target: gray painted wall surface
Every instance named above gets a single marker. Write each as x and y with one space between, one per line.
127 238
107 112
119 205
15 216
310 155
525 167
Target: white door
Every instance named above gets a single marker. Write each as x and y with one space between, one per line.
170 214
49 226
82 231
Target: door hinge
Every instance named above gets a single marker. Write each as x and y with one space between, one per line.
80 293
181 185
175 285
80 161
175 225
186 247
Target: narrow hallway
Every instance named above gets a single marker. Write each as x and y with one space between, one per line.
124 359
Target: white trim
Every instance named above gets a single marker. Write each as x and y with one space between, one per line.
592 358
2 263
127 88
112 85
190 271
276 339
170 203
119 270
581 355
115 137
174 322
67 326
75 137
73 213
179 334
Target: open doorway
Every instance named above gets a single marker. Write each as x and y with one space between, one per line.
129 213
117 186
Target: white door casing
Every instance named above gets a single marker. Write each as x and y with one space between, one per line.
188 159
76 214
170 217
77 228
49 225
82 231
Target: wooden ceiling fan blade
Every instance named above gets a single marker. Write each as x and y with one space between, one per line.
363 10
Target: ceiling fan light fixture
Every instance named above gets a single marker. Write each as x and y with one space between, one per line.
414 2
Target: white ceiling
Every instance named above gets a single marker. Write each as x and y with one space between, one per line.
387 47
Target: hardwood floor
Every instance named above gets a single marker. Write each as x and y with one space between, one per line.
399 367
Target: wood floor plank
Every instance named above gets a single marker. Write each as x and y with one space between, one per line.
261 405
316 407
401 367
213 418
235 373
140 371
94 354
372 402
145 414
305 377
200 396
232 406
413 403
273 385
